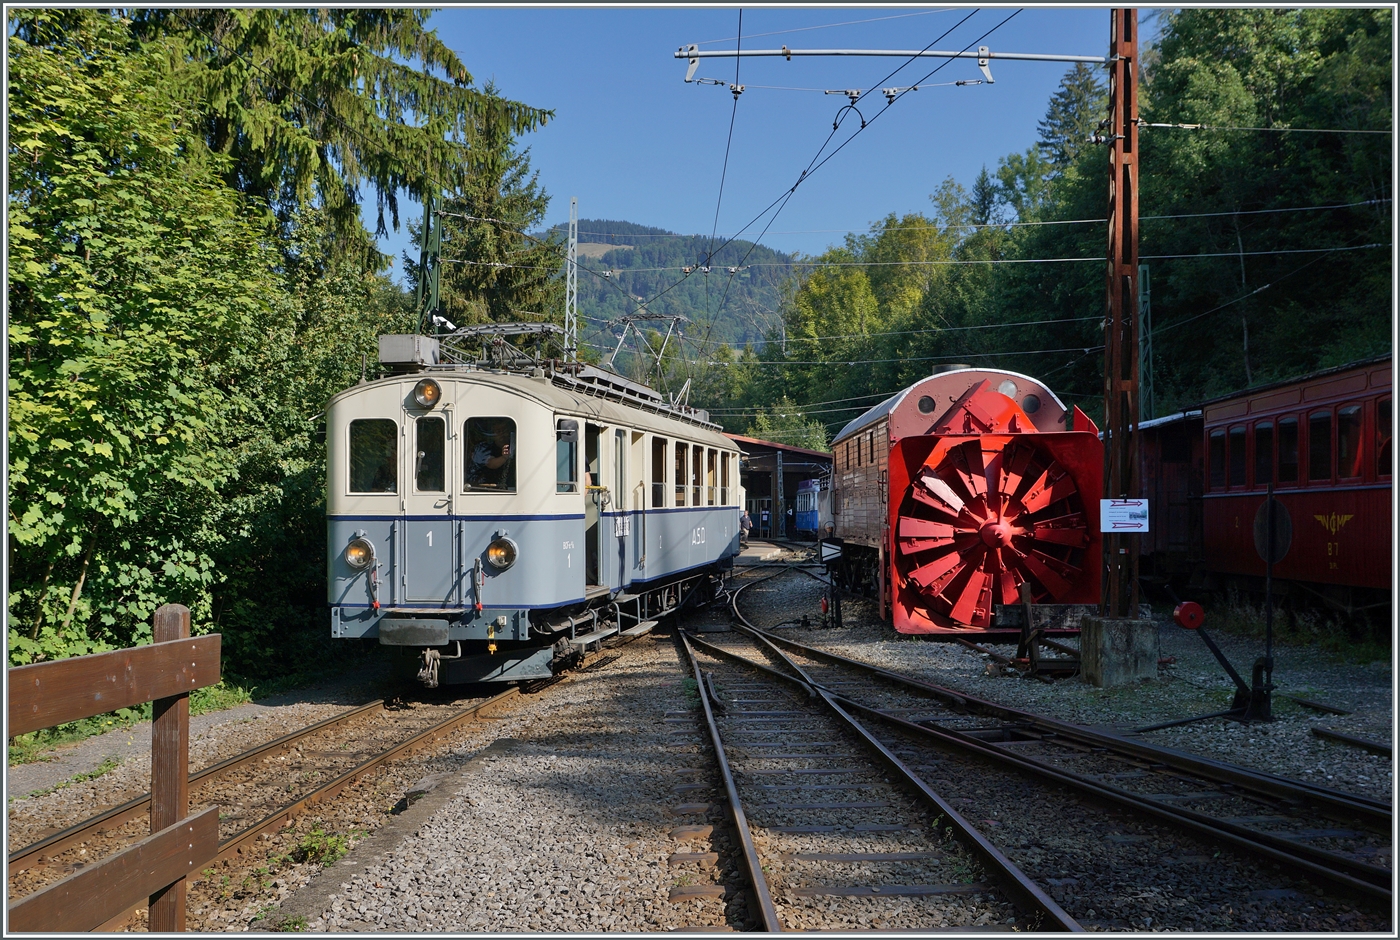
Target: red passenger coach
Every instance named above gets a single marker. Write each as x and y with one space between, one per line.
1324 441
965 491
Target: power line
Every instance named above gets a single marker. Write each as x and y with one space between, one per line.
1273 130
974 225
864 362
810 169
806 29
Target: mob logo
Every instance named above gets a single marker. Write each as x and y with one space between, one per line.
1333 522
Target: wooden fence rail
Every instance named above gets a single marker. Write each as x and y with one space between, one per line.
164 673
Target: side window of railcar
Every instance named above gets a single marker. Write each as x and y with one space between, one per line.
710 483
1217 458
658 472
1288 450
1320 445
1383 431
1237 461
681 453
724 479
429 466
490 454
1349 441
566 456
374 455
696 464
1263 453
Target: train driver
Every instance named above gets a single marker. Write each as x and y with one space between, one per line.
491 454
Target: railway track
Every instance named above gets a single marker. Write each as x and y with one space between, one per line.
264 789
1327 836
254 786
823 830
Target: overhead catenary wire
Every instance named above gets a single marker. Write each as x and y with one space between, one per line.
807 29
812 167
1034 222
784 199
1273 130
805 173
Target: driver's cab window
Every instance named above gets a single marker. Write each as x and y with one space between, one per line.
490 454
374 455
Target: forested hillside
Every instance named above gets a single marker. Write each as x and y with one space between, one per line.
1268 246
735 307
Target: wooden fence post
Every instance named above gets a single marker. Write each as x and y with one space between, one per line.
170 768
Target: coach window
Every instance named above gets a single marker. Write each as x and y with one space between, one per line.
429 471
1263 453
711 483
658 472
680 472
490 452
1237 459
1383 429
1320 445
1217 458
1349 441
724 460
374 455
566 456
1288 450
696 472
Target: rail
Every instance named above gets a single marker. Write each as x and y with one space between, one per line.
165 672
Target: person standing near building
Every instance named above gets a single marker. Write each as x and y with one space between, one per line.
745 524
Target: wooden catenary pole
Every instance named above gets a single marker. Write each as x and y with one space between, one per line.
1121 362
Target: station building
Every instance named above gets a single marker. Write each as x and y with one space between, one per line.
771 473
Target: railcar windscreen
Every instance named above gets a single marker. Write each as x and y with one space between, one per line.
490 454
430 471
374 455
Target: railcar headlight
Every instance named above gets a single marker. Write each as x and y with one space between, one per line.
427 393
501 553
359 553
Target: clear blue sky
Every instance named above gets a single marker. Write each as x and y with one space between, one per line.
633 141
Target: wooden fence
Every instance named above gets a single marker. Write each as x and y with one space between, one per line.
164 673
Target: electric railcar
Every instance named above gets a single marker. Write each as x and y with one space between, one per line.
499 520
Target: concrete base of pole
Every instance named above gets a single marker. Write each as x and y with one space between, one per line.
1116 652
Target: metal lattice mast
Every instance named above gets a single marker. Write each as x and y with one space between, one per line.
1121 351
571 287
429 265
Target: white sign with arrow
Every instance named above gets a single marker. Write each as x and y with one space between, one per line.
1123 515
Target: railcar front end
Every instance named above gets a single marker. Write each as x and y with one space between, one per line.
490 520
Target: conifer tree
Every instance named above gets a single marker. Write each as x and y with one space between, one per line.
1074 113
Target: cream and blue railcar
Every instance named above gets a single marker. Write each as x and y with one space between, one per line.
497 520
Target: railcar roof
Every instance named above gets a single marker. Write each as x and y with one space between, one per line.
575 398
891 403
1321 373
